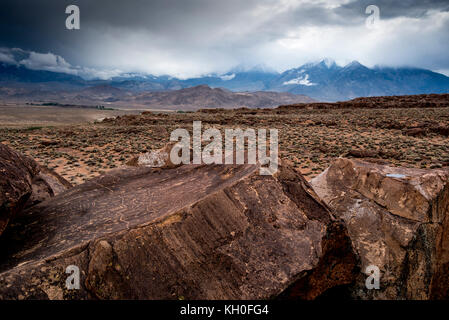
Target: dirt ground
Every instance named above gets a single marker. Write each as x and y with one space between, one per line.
20 115
309 138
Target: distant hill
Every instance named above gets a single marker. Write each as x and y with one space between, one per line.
193 98
203 96
379 102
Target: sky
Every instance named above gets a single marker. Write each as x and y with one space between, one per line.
187 38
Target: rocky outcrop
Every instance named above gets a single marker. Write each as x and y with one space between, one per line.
16 174
23 183
46 184
193 232
154 159
398 220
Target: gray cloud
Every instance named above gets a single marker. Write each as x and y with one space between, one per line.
47 61
51 62
6 56
192 37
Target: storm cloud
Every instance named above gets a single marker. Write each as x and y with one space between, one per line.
193 37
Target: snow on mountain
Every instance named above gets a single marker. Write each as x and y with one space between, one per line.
304 81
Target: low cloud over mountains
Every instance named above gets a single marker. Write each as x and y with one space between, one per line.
324 80
50 62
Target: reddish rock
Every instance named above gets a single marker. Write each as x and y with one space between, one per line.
442 130
154 159
362 153
24 183
398 220
195 231
16 175
415 132
48 142
46 184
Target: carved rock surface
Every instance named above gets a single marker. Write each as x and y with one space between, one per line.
398 220
195 231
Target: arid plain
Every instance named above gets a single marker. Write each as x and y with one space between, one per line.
80 143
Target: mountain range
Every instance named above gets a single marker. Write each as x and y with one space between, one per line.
188 99
323 81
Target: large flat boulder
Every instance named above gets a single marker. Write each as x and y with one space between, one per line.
193 232
398 220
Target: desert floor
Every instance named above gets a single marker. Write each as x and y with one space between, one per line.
76 146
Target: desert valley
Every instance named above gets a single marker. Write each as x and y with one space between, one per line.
79 144
236 159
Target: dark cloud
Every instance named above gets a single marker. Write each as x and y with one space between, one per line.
187 37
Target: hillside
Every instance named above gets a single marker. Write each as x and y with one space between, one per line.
184 99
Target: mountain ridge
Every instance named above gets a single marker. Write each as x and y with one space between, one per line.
189 99
322 80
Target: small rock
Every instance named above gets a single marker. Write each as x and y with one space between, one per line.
48 142
154 159
415 132
362 153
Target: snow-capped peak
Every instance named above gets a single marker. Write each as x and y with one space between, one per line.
354 64
328 62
